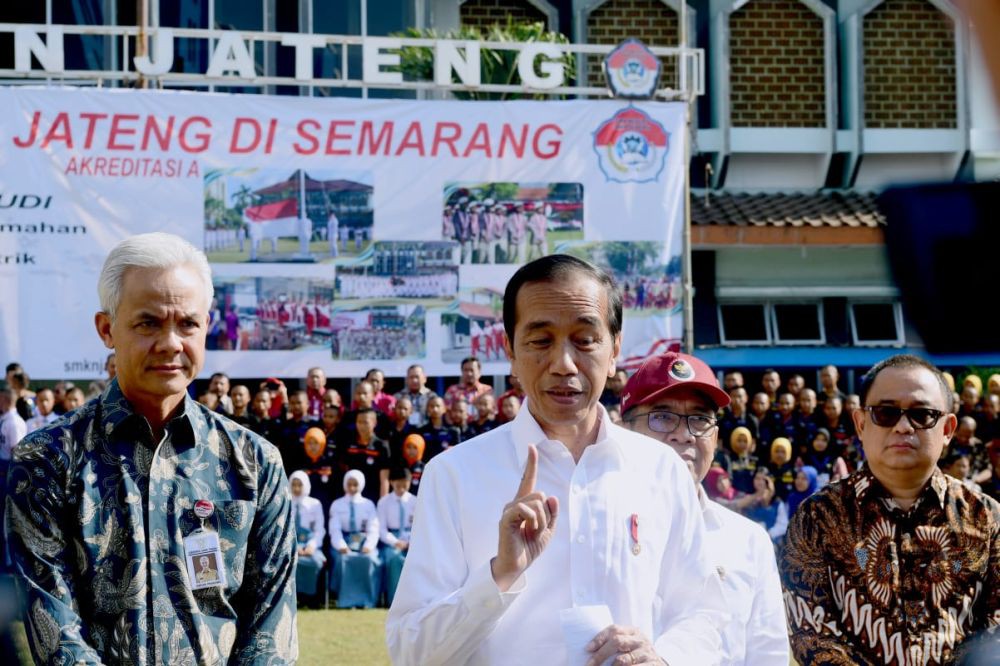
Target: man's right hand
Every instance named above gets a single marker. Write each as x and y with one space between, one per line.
526 527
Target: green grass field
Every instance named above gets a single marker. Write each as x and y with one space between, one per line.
287 247
326 638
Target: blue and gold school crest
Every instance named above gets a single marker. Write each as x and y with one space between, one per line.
631 147
631 70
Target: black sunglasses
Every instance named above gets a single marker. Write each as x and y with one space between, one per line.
920 418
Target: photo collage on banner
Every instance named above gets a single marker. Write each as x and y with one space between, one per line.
341 233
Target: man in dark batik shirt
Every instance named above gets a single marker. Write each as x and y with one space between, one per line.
113 509
898 563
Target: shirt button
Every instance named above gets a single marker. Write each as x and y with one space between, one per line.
580 539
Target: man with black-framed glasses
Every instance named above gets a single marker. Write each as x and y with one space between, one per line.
897 563
674 398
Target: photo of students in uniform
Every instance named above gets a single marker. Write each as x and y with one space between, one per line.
273 215
511 223
403 271
272 313
380 332
474 325
648 272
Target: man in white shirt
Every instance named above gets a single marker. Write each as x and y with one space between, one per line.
12 427
45 401
598 527
673 388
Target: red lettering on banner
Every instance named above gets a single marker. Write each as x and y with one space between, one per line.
117 129
449 141
480 141
313 141
162 138
59 131
507 137
193 170
271 127
333 136
416 142
552 145
366 135
203 138
32 134
238 126
91 119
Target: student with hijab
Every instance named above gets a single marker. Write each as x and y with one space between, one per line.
354 542
769 510
719 486
782 468
395 519
309 532
804 486
742 463
413 460
827 461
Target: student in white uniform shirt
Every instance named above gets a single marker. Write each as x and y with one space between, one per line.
354 542
674 398
309 532
597 524
395 520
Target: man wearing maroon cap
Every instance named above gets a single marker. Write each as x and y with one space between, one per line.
674 398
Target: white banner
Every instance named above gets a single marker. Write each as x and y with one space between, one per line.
342 233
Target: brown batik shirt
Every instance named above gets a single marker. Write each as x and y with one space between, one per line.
868 583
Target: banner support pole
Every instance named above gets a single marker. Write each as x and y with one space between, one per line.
688 344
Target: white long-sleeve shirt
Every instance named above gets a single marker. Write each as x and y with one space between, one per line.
448 609
12 430
310 512
389 517
365 520
757 632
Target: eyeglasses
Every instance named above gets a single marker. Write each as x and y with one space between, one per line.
921 418
666 422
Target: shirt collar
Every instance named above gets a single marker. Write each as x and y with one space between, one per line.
117 411
866 483
525 430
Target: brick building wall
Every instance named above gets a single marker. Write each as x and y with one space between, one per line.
483 14
648 20
777 65
910 72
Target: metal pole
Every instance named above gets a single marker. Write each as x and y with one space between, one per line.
688 98
142 10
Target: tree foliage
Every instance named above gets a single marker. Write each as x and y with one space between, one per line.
497 67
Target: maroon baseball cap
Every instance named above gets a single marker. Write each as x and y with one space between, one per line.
660 376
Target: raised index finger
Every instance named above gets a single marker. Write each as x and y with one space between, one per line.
530 473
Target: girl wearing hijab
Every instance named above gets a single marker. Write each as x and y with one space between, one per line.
395 519
768 510
309 532
354 541
782 468
805 485
743 464
828 463
719 486
413 460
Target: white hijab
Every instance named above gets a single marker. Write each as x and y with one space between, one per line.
357 476
306 486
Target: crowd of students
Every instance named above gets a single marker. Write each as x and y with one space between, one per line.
355 466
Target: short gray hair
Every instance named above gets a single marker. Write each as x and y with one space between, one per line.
153 250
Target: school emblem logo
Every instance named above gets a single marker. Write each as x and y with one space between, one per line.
631 70
681 370
631 147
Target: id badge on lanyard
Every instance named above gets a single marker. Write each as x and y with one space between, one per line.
202 552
